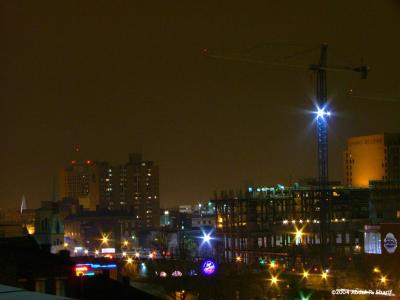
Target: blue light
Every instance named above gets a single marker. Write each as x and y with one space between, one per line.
209 267
250 189
206 238
322 112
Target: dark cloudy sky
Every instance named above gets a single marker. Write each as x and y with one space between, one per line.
122 76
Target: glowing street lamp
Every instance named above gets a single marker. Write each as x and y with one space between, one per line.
125 243
383 279
238 259
104 239
376 270
305 274
124 254
274 280
137 254
129 260
324 275
273 264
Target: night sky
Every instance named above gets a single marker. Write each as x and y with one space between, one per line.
124 76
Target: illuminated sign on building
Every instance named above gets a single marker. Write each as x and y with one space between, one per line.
390 243
209 267
107 250
91 269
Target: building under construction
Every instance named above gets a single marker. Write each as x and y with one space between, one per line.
262 223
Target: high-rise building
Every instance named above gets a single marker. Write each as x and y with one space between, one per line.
372 157
131 187
141 190
85 181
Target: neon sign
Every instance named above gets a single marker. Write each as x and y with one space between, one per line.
390 243
209 267
177 274
90 269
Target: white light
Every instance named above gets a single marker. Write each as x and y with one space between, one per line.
206 238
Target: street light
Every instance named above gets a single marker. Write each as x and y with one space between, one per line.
324 275
129 260
383 279
274 280
376 270
305 274
104 239
238 259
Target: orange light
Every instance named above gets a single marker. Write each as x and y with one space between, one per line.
238 259
79 271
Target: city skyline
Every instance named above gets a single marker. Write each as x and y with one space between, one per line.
132 78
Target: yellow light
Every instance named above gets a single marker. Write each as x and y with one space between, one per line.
125 243
65 245
238 259
305 274
124 253
298 234
274 280
324 275
376 270
273 264
383 279
104 239
129 260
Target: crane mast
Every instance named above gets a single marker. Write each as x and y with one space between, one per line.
323 113
322 148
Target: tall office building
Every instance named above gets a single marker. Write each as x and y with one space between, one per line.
131 187
83 181
372 157
136 188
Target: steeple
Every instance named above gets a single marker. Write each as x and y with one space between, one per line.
23 204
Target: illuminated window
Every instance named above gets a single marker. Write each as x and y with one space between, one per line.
372 242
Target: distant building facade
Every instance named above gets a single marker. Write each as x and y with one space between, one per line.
49 229
264 222
372 157
132 187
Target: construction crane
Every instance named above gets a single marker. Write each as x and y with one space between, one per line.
322 114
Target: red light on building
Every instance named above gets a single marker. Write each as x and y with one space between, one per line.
73 162
88 162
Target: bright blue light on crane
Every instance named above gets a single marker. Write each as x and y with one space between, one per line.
322 112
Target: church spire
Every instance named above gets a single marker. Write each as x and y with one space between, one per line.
23 204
